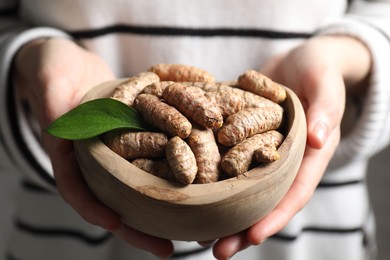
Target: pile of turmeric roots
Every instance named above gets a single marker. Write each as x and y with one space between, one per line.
207 130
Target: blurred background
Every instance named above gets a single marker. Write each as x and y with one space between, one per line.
379 187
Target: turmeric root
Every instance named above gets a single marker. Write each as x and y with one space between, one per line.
259 84
127 91
173 96
249 122
159 168
268 151
182 160
193 103
163 116
132 145
205 149
266 154
228 104
239 158
250 99
156 88
181 72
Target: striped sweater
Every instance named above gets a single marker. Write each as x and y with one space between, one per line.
224 37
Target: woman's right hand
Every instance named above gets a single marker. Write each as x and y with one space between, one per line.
53 75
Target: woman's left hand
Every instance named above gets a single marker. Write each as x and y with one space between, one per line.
318 71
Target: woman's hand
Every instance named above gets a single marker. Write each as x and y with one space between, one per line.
318 71
53 75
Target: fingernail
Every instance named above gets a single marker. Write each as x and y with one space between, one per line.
320 132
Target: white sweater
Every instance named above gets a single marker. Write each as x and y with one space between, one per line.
225 37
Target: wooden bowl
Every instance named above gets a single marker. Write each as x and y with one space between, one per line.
196 212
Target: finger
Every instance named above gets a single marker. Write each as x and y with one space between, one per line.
75 192
323 96
229 246
160 247
320 88
315 161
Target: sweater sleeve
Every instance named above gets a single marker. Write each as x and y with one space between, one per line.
20 150
368 21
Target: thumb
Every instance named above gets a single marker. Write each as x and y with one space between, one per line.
324 102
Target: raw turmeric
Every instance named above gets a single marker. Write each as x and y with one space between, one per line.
250 99
128 90
205 149
163 116
181 72
268 151
131 145
159 168
193 103
227 103
249 122
266 154
260 84
172 97
156 88
181 160
239 158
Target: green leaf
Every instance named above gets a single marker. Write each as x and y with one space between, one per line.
96 117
